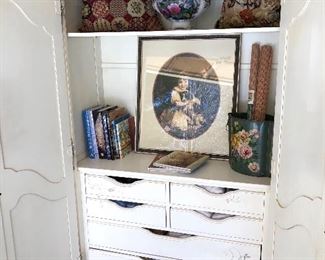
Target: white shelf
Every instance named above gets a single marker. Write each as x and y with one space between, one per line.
214 172
174 33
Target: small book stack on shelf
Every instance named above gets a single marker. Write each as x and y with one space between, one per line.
177 161
109 132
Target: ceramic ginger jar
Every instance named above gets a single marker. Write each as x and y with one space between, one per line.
180 12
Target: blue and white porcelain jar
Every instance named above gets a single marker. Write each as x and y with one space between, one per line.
180 12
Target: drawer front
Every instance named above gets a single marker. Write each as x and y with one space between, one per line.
225 227
147 215
138 240
106 255
138 191
237 202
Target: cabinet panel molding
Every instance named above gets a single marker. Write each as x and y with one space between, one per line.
31 231
26 88
298 153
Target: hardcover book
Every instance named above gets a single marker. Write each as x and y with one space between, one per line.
90 136
102 134
155 169
99 131
114 133
181 161
123 138
111 116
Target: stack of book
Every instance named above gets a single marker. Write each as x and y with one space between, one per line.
109 132
177 161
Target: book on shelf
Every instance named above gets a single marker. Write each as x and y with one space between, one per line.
156 169
123 138
108 131
181 161
110 117
89 129
114 123
102 134
132 131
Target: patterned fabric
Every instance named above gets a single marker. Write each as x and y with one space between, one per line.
119 15
249 13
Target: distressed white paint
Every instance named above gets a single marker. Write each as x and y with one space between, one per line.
37 181
298 169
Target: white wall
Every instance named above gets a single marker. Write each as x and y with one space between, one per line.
119 64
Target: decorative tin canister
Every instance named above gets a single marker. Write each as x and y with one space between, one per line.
250 145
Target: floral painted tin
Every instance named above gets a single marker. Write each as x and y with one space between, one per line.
250 145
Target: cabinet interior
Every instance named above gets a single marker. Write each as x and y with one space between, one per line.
103 66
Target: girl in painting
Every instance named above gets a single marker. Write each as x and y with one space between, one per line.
181 114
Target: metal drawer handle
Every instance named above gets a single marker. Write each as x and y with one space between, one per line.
168 233
215 190
214 215
124 180
126 204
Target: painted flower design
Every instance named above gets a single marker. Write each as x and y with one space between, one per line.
254 166
174 9
179 9
235 142
243 144
245 151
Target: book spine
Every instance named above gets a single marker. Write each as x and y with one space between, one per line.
95 153
123 139
88 134
197 164
106 137
110 138
115 142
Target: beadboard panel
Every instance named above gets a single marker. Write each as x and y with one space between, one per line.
120 86
120 68
110 74
85 83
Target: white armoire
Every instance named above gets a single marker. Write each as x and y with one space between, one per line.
49 72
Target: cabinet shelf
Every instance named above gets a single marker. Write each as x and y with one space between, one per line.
173 33
214 172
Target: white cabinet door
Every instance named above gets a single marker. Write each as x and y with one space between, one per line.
36 162
299 152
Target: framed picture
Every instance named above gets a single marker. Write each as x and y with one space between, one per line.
187 85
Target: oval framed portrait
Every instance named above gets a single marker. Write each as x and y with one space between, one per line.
186 88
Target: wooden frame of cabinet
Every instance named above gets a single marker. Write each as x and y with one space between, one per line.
38 32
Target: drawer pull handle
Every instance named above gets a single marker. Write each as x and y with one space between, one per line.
168 233
215 190
124 180
126 204
213 215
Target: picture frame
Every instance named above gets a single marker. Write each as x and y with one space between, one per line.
187 85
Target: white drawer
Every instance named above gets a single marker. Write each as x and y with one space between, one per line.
236 202
151 216
226 227
106 255
138 191
134 239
